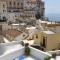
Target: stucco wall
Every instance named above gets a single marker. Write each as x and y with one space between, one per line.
52 41
39 39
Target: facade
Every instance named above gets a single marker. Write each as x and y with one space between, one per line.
48 40
14 6
52 40
2 28
40 5
11 17
29 4
3 7
34 5
38 37
28 14
25 6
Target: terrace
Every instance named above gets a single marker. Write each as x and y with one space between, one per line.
56 54
15 51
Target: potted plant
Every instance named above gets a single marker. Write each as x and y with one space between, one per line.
54 55
27 49
47 58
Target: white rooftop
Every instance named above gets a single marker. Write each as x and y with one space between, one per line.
22 24
31 27
15 24
57 57
48 32
42 21
51 23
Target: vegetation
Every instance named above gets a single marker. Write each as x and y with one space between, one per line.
27 49
48 58
54 55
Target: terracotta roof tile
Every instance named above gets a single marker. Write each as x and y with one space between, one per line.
13 33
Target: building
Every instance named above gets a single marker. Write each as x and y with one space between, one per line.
2 28
14 6
38 37
11 17
40 5
34 6
29 4
3 7
27 7
47 39
28 14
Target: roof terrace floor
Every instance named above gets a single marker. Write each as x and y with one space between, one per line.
27 58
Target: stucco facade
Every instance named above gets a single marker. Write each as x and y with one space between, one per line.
49 41
3 7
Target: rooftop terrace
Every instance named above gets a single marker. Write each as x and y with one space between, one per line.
12 51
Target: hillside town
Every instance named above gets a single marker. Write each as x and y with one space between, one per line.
24 22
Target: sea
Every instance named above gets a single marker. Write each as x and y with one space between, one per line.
54 17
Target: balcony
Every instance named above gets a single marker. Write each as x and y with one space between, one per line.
14 51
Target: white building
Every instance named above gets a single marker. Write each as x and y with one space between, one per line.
11 17
3 7
29 4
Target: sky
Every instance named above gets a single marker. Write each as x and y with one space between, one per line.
52 7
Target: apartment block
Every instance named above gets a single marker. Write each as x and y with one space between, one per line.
3 7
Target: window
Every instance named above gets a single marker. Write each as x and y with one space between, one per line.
36 36
4 10
14 3
21 4
3 6
10 2
18 3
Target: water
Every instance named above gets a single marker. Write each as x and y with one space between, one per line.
26 58
54 17
20 58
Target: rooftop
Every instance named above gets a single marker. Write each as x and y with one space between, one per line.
13 33
31 27
14 51
48 32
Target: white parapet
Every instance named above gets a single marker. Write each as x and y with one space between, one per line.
14 50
